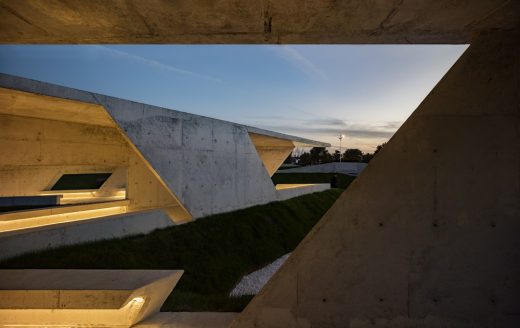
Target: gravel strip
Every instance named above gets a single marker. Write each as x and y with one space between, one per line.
252 283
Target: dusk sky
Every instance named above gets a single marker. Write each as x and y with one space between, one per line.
365 92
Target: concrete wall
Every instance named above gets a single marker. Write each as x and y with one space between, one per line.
39 151
36 152
428 234
185 165
210 166
20 242
336 167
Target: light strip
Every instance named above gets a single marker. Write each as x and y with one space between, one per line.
74 213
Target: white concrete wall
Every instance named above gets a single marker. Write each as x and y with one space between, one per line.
211 166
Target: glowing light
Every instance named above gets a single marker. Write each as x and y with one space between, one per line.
62 214
282 186
71 197
138 300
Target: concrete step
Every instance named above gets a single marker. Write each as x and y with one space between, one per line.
114 298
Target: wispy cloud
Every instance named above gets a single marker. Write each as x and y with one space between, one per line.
323 127
367 132
157 64
316 121
299 61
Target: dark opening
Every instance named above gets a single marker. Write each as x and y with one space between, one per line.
81 181
18 203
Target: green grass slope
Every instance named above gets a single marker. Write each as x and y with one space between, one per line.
215 251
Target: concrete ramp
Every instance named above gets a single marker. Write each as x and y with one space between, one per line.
428 234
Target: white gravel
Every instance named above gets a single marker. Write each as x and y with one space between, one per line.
252 283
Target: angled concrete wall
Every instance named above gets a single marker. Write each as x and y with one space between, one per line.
211 166
428 234
183 165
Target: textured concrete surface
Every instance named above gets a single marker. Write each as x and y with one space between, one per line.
343 168
79 298
251 21
30 240
427 235
43 149
188 320
187 166
210 166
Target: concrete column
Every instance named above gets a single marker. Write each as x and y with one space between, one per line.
428 235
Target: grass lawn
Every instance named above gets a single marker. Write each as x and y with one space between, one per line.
215 251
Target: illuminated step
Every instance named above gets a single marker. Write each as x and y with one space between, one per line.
72 298
53 215
67 197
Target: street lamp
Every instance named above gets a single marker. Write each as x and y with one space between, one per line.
340 138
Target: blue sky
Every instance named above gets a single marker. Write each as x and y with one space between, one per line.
317 91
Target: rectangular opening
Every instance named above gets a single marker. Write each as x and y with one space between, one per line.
18 203
81 181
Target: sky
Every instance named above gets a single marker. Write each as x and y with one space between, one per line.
364 92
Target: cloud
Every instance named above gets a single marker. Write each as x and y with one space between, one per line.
157 64
366 133
324 127
317 121
300 62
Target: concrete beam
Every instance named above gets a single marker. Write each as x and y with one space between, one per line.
251 21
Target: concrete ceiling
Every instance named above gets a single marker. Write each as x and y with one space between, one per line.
252 21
